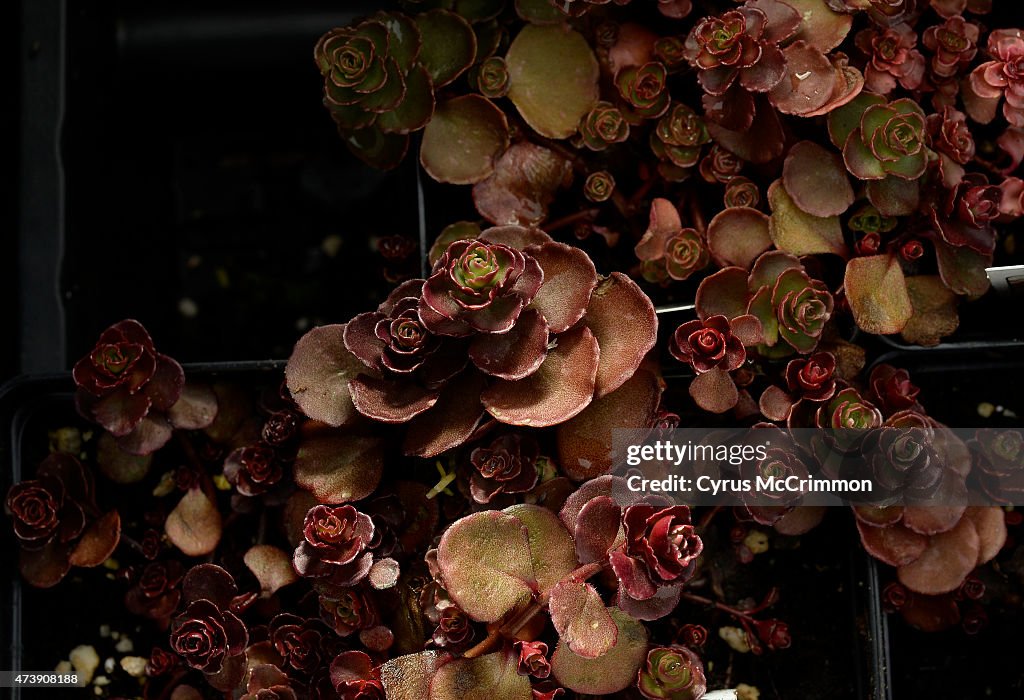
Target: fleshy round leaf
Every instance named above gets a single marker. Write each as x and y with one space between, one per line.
623 320
408 677
552 79
609 673
486 564
877 293
821 27
598 527
895 545
416 107
762 142
799 233
516 354
809 82
318 373
816 180
195 409
990 524
945 562
452 420
448 45
272 567
935 314
569 280
581 619
714 391
486 677
375 148
930 613
523 185
194 526
338 467
723 293
894 196
98 541
539 11
384 573
561 388
519 237
586 447
119 466
551 547
390 401
738 235
463 140
962 269
800 520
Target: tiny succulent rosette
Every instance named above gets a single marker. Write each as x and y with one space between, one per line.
880 139
335 547
492 78
644 88
667 250
603 126
678 141
999 463
206 634
893 58
506 465
127 387
354 677
809 380
660 550
599 186
672 673
1000 79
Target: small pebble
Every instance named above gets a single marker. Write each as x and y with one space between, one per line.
735 638
757 542
331 245
747 692
134 666
109 665
104 631
125 645
188 308
64 667
85 660
102 680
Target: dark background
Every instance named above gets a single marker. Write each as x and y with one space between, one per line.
190 178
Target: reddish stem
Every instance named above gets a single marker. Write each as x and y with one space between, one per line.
583 215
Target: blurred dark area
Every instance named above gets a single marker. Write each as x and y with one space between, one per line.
176 165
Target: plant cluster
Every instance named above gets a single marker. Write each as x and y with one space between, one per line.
806 170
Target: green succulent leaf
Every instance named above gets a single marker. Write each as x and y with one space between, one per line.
483 678
416 107
877 293
552 79
463 140
609 673
795 231
448 45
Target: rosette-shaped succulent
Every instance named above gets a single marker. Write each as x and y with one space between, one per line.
881 139
335 547
57 523
533 659
645 88
742 45
677 141
714 347
953 44
811 379
672 673
454 628
347 610
478 287
741 192
603 126
298 642
253 470
903 465
207 635
380 75
952 140
792 307
599 186
891 389
999 458
127 387
355 678
783 459
507 465
155 592
661 549
492 78
667 250
1001 77
522 323
893 58
964 215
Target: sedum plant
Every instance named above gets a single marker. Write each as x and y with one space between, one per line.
432 505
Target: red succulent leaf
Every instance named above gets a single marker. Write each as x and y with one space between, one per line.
623 320
737 236
561 388
893 545
318 373
597 529
452 420
761 141
614 671
194 526
336 466
492 675
816 180
581 619
945 562
569 279
98 541
809 81
586 446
